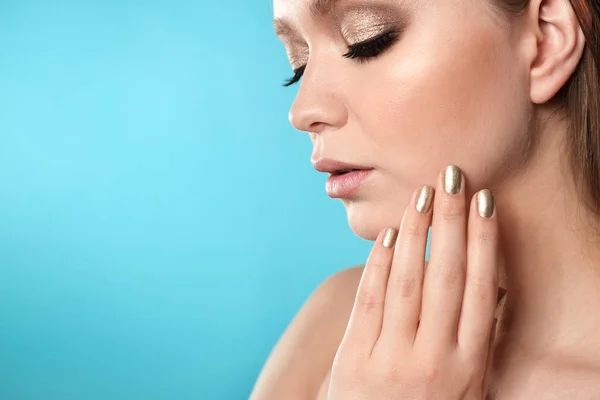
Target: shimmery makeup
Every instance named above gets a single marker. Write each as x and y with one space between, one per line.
298 55
359 24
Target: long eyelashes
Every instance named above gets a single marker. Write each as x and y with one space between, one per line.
298 72
362 51
371 48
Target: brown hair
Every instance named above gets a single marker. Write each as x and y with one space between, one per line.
580 99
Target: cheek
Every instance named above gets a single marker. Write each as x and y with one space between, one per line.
436 102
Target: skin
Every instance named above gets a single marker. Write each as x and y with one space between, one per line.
463 85
417 334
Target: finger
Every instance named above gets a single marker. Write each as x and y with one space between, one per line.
481 286
444 280
366 318
405 284
489 360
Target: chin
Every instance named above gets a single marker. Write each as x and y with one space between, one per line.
367 219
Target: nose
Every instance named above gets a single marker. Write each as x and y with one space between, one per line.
319 104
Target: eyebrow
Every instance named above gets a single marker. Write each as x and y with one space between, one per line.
317 9
322 7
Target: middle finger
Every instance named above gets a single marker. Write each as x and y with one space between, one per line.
444 282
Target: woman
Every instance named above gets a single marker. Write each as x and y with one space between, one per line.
481 119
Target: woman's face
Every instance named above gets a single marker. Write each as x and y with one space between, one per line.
447 84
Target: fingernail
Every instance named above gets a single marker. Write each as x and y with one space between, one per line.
424 199
485 203
389 239
452 179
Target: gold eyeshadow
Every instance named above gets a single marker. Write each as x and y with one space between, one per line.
356 22
359 23
297 54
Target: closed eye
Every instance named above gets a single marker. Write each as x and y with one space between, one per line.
362 52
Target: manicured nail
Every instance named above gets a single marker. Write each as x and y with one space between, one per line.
452 179
485 203
389 239
424 199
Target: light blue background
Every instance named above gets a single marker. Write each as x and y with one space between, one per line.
160 223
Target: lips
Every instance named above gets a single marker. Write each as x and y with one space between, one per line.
343 172
345 179
337 168
346 184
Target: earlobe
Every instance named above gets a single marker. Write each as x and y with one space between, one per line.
560 47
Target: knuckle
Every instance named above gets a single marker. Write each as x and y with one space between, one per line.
451 273
380 264
391 370
451 276
433 365
392 375
406 286
417 229
452 210
481 288
368 300
430 372
485 236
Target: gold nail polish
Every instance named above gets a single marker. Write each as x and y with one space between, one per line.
389 239
424 199
452 179
485 203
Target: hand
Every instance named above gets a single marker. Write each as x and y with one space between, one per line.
416 334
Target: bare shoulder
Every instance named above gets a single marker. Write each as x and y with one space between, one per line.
302 357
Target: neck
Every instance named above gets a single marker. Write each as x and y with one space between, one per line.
550 263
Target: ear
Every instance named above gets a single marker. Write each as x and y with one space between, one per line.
559 47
